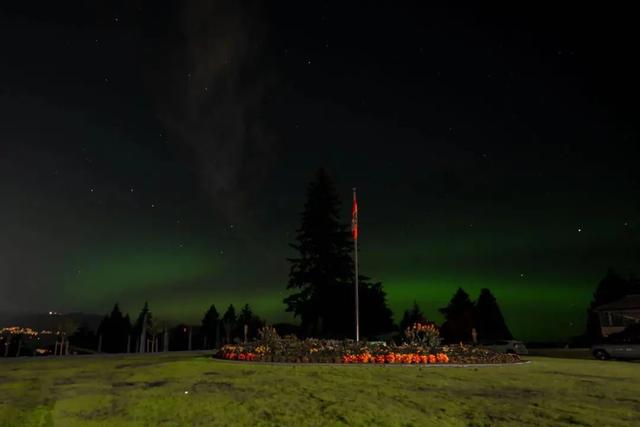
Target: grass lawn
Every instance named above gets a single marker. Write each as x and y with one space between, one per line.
150 390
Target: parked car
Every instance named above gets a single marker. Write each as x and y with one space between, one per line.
621 350
622 345
506 346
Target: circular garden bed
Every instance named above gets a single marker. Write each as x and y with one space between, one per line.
421 346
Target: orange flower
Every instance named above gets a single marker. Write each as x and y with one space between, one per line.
380 358
443 358
349 358
364 358
424 358
432 358
390 358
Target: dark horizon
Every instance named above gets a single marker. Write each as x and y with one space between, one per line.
158 152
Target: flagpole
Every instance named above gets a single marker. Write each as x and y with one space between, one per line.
355 256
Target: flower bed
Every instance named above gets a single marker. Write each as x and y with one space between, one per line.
271 348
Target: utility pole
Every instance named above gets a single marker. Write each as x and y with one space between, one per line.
354 232
143 334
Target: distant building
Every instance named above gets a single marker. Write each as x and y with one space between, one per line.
617 315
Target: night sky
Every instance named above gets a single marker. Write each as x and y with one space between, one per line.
154 150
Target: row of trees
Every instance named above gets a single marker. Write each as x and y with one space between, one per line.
218 330
116 333
463 316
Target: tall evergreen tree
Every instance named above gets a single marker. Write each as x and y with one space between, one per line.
83 337
246 315
375 315
114 329
415 315
324 263
322 275
458 318
253 322
488 319
229 320
144 316
142 327
210 325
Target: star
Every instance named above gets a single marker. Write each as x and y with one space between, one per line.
131 189
579 230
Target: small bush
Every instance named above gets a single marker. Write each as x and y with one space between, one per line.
422 334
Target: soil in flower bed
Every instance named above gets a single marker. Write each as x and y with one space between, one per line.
293 350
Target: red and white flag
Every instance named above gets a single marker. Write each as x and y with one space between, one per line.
354 217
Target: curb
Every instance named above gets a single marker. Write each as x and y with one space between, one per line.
382 365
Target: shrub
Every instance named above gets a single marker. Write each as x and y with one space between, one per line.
422 334
268 334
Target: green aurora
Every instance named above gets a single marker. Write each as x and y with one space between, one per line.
541 296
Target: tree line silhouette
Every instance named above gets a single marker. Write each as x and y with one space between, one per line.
116 333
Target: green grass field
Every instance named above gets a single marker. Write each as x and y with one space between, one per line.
139 390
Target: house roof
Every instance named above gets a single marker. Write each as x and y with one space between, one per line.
630 302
